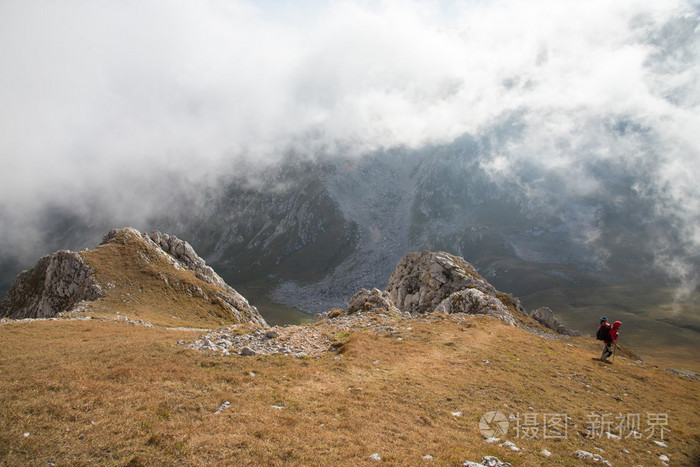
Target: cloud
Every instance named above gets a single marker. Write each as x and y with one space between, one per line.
109 103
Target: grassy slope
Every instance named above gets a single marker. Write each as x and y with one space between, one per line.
91 392
138 289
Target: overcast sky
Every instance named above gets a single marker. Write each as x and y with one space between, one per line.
102 98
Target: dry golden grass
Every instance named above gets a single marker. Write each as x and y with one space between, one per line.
91 392
139 289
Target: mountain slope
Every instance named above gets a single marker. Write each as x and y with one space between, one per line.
399 375
110 393
132 276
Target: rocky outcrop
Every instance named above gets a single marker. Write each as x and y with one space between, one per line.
422 283
57 283
438 282
545 317
474 301
371 300
183 256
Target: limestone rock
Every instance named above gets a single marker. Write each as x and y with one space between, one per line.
474 301
581 454
487 461
57 283
545 317
421 281
371 300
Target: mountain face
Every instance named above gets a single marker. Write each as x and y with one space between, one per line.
310 234
322 230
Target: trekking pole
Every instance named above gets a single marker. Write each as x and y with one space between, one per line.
614 349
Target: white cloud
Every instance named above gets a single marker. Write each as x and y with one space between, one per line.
107 96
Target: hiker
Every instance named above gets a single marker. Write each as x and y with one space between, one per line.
609 335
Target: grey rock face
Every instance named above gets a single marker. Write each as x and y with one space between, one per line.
365 300
474 301
421 281
57 283
545 317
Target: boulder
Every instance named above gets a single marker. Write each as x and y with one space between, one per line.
421 281
57 283
371 300
474 301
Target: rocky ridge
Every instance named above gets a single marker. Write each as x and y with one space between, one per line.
63 282
424 286
545 316
182 256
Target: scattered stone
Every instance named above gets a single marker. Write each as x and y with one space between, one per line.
664 458
296 340
590 456
223 407
456 414
277 407
685 373
611 435
26 435
136 322
487 362
487 461
247 352
545 453
660 444
492 439
375 457
510 445
272 334
428 458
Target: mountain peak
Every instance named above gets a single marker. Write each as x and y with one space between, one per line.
158 276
